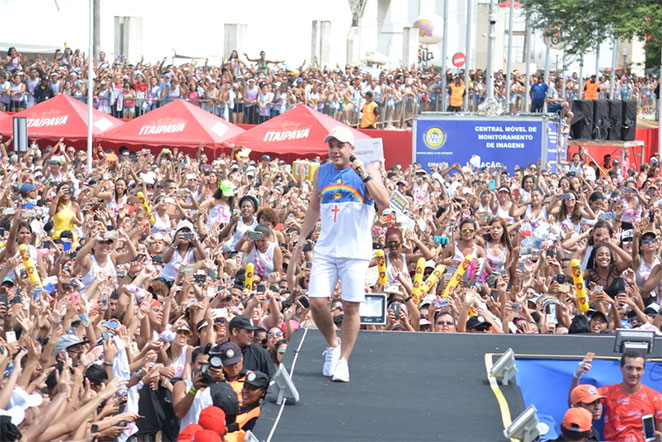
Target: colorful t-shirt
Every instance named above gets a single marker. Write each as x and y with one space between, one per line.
623 412
346 214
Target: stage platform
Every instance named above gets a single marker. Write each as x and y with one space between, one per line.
597 149
413 386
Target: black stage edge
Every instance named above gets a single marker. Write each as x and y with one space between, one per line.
410 387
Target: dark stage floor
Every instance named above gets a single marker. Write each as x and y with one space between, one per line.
409 386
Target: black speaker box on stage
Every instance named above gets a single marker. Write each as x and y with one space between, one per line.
601 119
615 119
582 123
629 113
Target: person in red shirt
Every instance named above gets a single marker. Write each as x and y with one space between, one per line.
140 87
627 402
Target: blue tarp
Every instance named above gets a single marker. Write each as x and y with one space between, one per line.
545 384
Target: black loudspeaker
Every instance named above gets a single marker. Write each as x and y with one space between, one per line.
601 119
615 119
582 123
629 124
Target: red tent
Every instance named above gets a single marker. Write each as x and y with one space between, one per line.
299 132
61 117
506 4
177 124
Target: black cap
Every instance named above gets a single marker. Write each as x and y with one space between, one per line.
224 397
257 379
596 314
265 158
242 321
478 323
230 353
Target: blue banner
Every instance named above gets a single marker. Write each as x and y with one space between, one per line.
507 142
546 384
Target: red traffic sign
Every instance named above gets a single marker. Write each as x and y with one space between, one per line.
458 59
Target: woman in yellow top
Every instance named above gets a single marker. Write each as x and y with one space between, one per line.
65 212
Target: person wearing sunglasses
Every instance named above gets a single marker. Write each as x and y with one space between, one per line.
465 245
397 260
277 352
644 257
645 260
445 323
274 334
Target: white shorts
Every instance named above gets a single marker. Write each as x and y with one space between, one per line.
327 271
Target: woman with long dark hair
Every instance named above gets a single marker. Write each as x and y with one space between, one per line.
65 212
463 246
397 261
220 205
498 248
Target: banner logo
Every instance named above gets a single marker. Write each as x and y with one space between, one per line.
434 137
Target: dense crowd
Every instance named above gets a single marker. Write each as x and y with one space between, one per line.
137 297
155 294
247 90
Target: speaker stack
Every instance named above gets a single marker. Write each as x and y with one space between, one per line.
629 120
601 121
581 126
615 120
604 120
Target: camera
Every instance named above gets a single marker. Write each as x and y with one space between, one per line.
492 19
214 362
187 236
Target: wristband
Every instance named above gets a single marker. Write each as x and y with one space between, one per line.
192 390
407 299
107 364
366 179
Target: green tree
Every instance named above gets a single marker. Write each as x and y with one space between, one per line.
581 25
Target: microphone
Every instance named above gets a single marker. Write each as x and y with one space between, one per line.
359 171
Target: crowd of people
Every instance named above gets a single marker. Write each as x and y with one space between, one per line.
146 297
252 90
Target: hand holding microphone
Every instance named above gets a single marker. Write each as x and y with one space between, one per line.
358 169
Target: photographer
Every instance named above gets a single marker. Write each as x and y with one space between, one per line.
190 397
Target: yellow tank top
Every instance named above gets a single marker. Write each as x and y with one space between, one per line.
62 220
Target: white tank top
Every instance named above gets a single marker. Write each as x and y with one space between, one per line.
264 262
219 214
180 363
161 224
117 205
95 272
643 272
201 401
535 221
496 261
391 271
503 213
239 231
171 269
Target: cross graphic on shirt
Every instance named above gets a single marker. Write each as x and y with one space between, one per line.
335 211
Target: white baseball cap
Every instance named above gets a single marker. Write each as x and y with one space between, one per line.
342 134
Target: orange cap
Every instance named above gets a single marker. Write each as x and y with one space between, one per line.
585 393
577 419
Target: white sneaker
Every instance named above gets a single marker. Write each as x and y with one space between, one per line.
341 372
331 356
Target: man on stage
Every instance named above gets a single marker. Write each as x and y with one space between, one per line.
344 193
